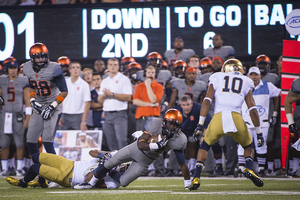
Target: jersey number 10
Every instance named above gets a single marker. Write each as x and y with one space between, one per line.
236 85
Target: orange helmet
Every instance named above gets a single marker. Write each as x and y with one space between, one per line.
132 68
171 123
263 62
164 65
176 68
39 50
64 60
205 62
126 61
154 59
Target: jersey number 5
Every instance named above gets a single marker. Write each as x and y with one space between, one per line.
42 88
236 85
11 91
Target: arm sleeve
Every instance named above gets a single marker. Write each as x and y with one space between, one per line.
61 83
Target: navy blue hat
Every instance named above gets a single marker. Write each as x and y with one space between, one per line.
12 63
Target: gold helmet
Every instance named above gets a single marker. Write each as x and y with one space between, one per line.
233 65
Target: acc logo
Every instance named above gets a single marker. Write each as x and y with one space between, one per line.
292 22
261 110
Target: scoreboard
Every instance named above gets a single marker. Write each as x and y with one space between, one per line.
95 31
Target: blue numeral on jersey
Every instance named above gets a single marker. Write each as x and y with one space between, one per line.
235 82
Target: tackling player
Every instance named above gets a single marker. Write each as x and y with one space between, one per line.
230 88
142 153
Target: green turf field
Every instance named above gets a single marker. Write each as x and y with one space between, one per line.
166 188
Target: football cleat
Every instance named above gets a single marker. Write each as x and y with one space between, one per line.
85 185
53 185
35 183
248 173
5 173
195 184
14 182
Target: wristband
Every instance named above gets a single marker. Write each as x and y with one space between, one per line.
113 94
60 98
54 104
275 113
290 118
201 120
32 99
258 129
253 107
28 111
32 95
153 146
207 98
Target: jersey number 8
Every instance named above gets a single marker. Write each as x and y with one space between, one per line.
42 88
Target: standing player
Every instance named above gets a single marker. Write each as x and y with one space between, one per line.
14 89
48 90
230 89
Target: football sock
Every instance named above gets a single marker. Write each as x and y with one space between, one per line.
249 163
32 172
49 147
20 164
23 183
93 181
4 165
192 163
199 166
277 163
270 165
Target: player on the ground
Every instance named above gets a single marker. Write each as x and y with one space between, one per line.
230 89
65 172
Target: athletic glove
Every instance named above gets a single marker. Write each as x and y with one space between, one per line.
1 101
47 112
260 140
293 129
198 132
272 121
162 143
35 105
164 107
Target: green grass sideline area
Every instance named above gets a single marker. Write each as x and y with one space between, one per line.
146 188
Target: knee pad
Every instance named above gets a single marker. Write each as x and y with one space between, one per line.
204 146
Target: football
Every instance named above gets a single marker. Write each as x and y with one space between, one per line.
155 138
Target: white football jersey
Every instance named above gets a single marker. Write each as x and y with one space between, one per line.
230 90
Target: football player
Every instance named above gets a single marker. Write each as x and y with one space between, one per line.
230 90
179 69
292 96
205 68
48 90
65 172
189 86
14 90
142 153
125 61
64 62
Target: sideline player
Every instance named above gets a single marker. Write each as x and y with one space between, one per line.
65 172
48 90
292 96
142 153
230 88
14 89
